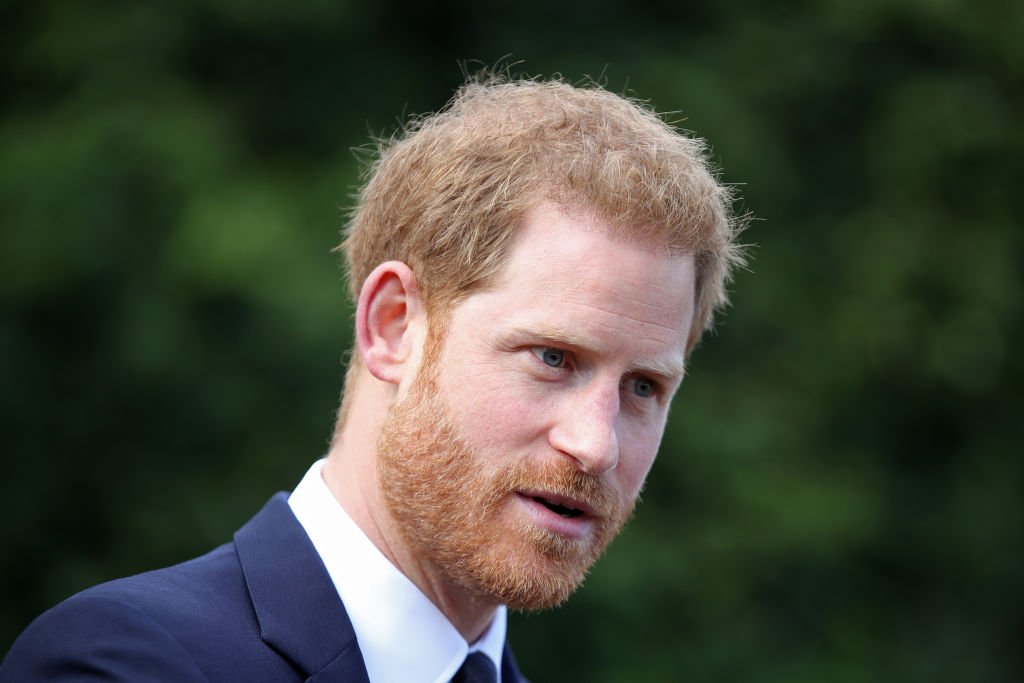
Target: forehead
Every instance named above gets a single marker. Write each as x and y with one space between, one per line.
569 277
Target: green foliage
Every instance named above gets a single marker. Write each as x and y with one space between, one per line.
838 497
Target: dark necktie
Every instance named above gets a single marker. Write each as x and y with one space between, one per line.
477 668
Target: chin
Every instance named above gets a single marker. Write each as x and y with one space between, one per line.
531 570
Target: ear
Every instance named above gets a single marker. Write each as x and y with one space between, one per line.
388 321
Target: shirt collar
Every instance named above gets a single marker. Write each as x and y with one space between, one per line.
402 635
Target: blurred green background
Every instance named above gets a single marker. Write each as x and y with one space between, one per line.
839 494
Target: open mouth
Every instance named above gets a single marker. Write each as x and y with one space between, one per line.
562 510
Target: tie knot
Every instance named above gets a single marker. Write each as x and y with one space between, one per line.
477 668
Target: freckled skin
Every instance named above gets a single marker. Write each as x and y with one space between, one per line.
557 377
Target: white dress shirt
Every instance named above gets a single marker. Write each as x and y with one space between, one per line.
403 636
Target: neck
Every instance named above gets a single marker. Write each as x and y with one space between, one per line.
351 475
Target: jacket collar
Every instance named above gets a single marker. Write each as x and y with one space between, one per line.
297 606
510 669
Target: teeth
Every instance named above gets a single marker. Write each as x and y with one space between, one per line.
563 510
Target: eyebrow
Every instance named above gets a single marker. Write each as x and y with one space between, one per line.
670 370
667 369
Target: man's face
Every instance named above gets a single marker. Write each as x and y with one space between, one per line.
520 449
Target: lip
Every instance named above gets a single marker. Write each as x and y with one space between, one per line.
570 527
557 499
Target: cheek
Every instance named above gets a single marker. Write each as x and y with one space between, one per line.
635 460
633 475
493 409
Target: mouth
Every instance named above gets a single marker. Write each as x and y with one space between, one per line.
562 506
562 515
562 510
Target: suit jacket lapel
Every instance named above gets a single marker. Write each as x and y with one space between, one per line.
297 606
509 669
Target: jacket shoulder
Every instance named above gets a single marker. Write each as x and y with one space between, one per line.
190 622
98 637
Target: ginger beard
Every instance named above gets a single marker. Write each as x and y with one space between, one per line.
454 509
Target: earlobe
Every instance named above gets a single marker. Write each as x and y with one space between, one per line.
386 315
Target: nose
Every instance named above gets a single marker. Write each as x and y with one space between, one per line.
586 430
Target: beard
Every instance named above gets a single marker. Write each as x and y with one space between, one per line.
452 505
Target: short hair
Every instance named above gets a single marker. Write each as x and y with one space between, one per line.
447 194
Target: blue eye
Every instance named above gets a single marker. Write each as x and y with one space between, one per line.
554 358
644 388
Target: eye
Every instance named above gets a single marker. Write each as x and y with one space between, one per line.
643 387
551 357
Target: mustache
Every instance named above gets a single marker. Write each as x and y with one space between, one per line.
560 478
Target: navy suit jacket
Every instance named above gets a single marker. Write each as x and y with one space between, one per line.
262 608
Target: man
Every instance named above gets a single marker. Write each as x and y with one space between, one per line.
531 268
